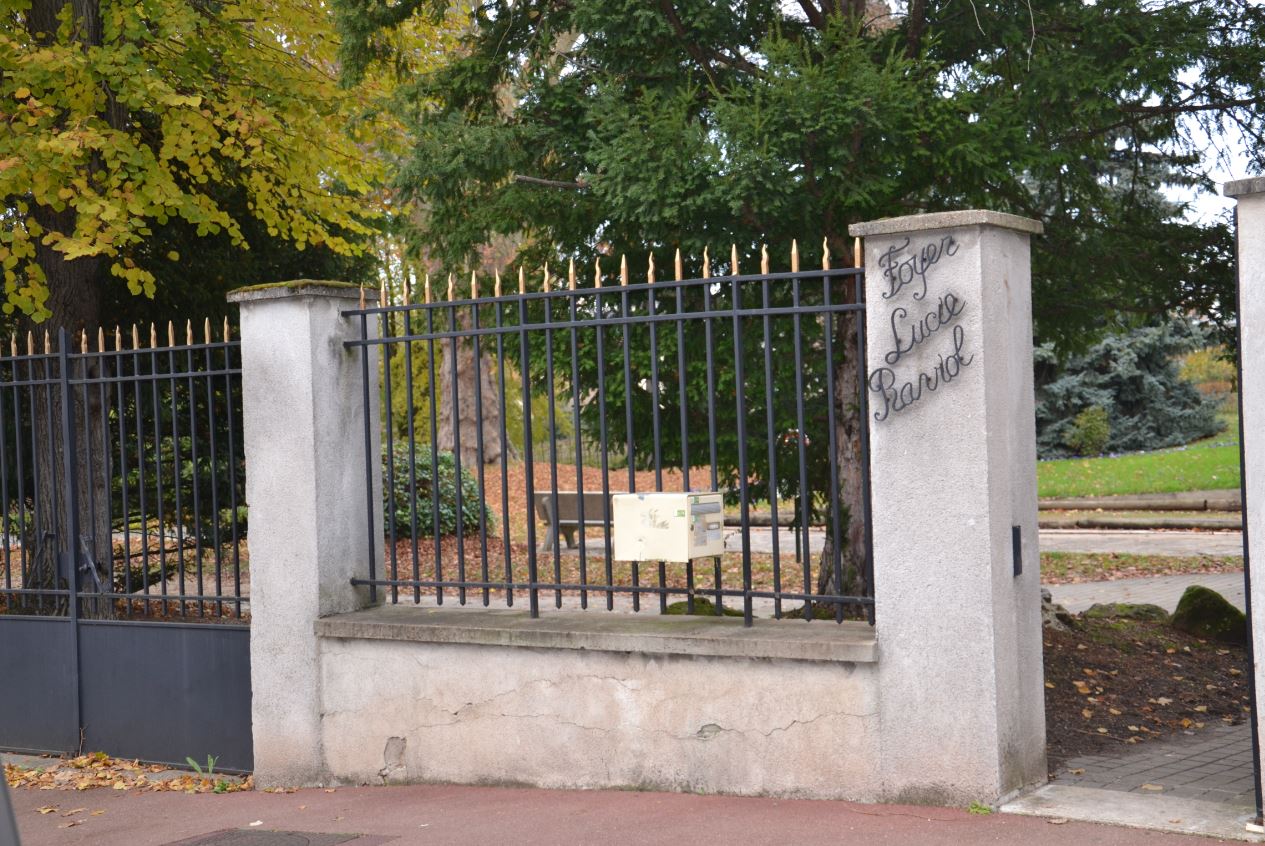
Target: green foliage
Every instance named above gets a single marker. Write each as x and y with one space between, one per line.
1209 366
1133 378
424 499
1089 432
693 123
124 117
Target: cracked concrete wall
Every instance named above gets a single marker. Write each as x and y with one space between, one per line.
417 712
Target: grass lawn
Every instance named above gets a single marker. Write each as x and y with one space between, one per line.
1195 468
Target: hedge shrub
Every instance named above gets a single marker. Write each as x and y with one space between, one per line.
396 492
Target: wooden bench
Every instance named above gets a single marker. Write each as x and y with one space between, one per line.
597 512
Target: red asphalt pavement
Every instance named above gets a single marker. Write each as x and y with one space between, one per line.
434 814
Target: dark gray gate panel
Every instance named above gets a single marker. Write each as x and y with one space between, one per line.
37 685
166 691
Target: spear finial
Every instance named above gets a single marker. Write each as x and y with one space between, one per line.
522 280
188 332
825 254
707 265
427 288
206 329
794 256
450 288
597 271
545 287
650 270
764 259
571 273
858 253
474 284
678 266
733 260
225 330
496 288
623 270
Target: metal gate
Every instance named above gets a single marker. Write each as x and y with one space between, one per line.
124 579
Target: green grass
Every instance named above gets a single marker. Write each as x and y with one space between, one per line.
1196 468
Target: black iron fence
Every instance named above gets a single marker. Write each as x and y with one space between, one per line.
510 421
122 478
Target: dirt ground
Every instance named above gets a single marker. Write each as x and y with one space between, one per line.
1115 682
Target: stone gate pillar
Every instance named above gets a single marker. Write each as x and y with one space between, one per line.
1250 194
303 416
954 495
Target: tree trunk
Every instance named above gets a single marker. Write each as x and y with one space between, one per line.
468 419
74 299
848 465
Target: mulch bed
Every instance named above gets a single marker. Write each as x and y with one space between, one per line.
1111 683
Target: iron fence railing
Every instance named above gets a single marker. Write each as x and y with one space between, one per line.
122 477
499 412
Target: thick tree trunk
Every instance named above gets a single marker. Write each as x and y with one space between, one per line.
467 419
74 300
849 464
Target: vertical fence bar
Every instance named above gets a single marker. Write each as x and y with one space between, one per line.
740 382
373 530
685 420
832 436
478 436
805 495
216 539
576 439
503 399
70 493
711 416
175 466
529 474
864 411
602 433
389 451
388 416
233 474
551 417
456 446
771 434
628 416
433 391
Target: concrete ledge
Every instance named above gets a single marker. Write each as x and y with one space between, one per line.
301 288
945 220
1243 187
604 631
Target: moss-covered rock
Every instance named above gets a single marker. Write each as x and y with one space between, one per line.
1203 612
1126 611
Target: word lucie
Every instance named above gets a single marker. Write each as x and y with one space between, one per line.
948 308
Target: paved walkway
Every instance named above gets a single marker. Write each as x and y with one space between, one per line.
1142 542
1164 591
436 815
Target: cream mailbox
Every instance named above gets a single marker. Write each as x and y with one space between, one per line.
668 526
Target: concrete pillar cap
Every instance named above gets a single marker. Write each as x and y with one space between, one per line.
1244 187
302 288
945 220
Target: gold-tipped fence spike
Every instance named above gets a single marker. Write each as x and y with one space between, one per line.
825 254
707 265
522 280
650 270
362 297
496 289
188 332
733 260
545 286
764 259
450 288
408 291
118 339
597 271
206 329
678 266
858 253
794 256
623 270
30 342
100 339
13 343
136 336
474 284
48 344
153 335
171 334
83 341
571 273
226 332
427 288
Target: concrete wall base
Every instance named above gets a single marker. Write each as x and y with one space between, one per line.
411 709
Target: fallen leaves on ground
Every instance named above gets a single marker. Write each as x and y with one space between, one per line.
1064 568
88 772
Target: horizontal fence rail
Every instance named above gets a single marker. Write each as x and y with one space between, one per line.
509 421
121 473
